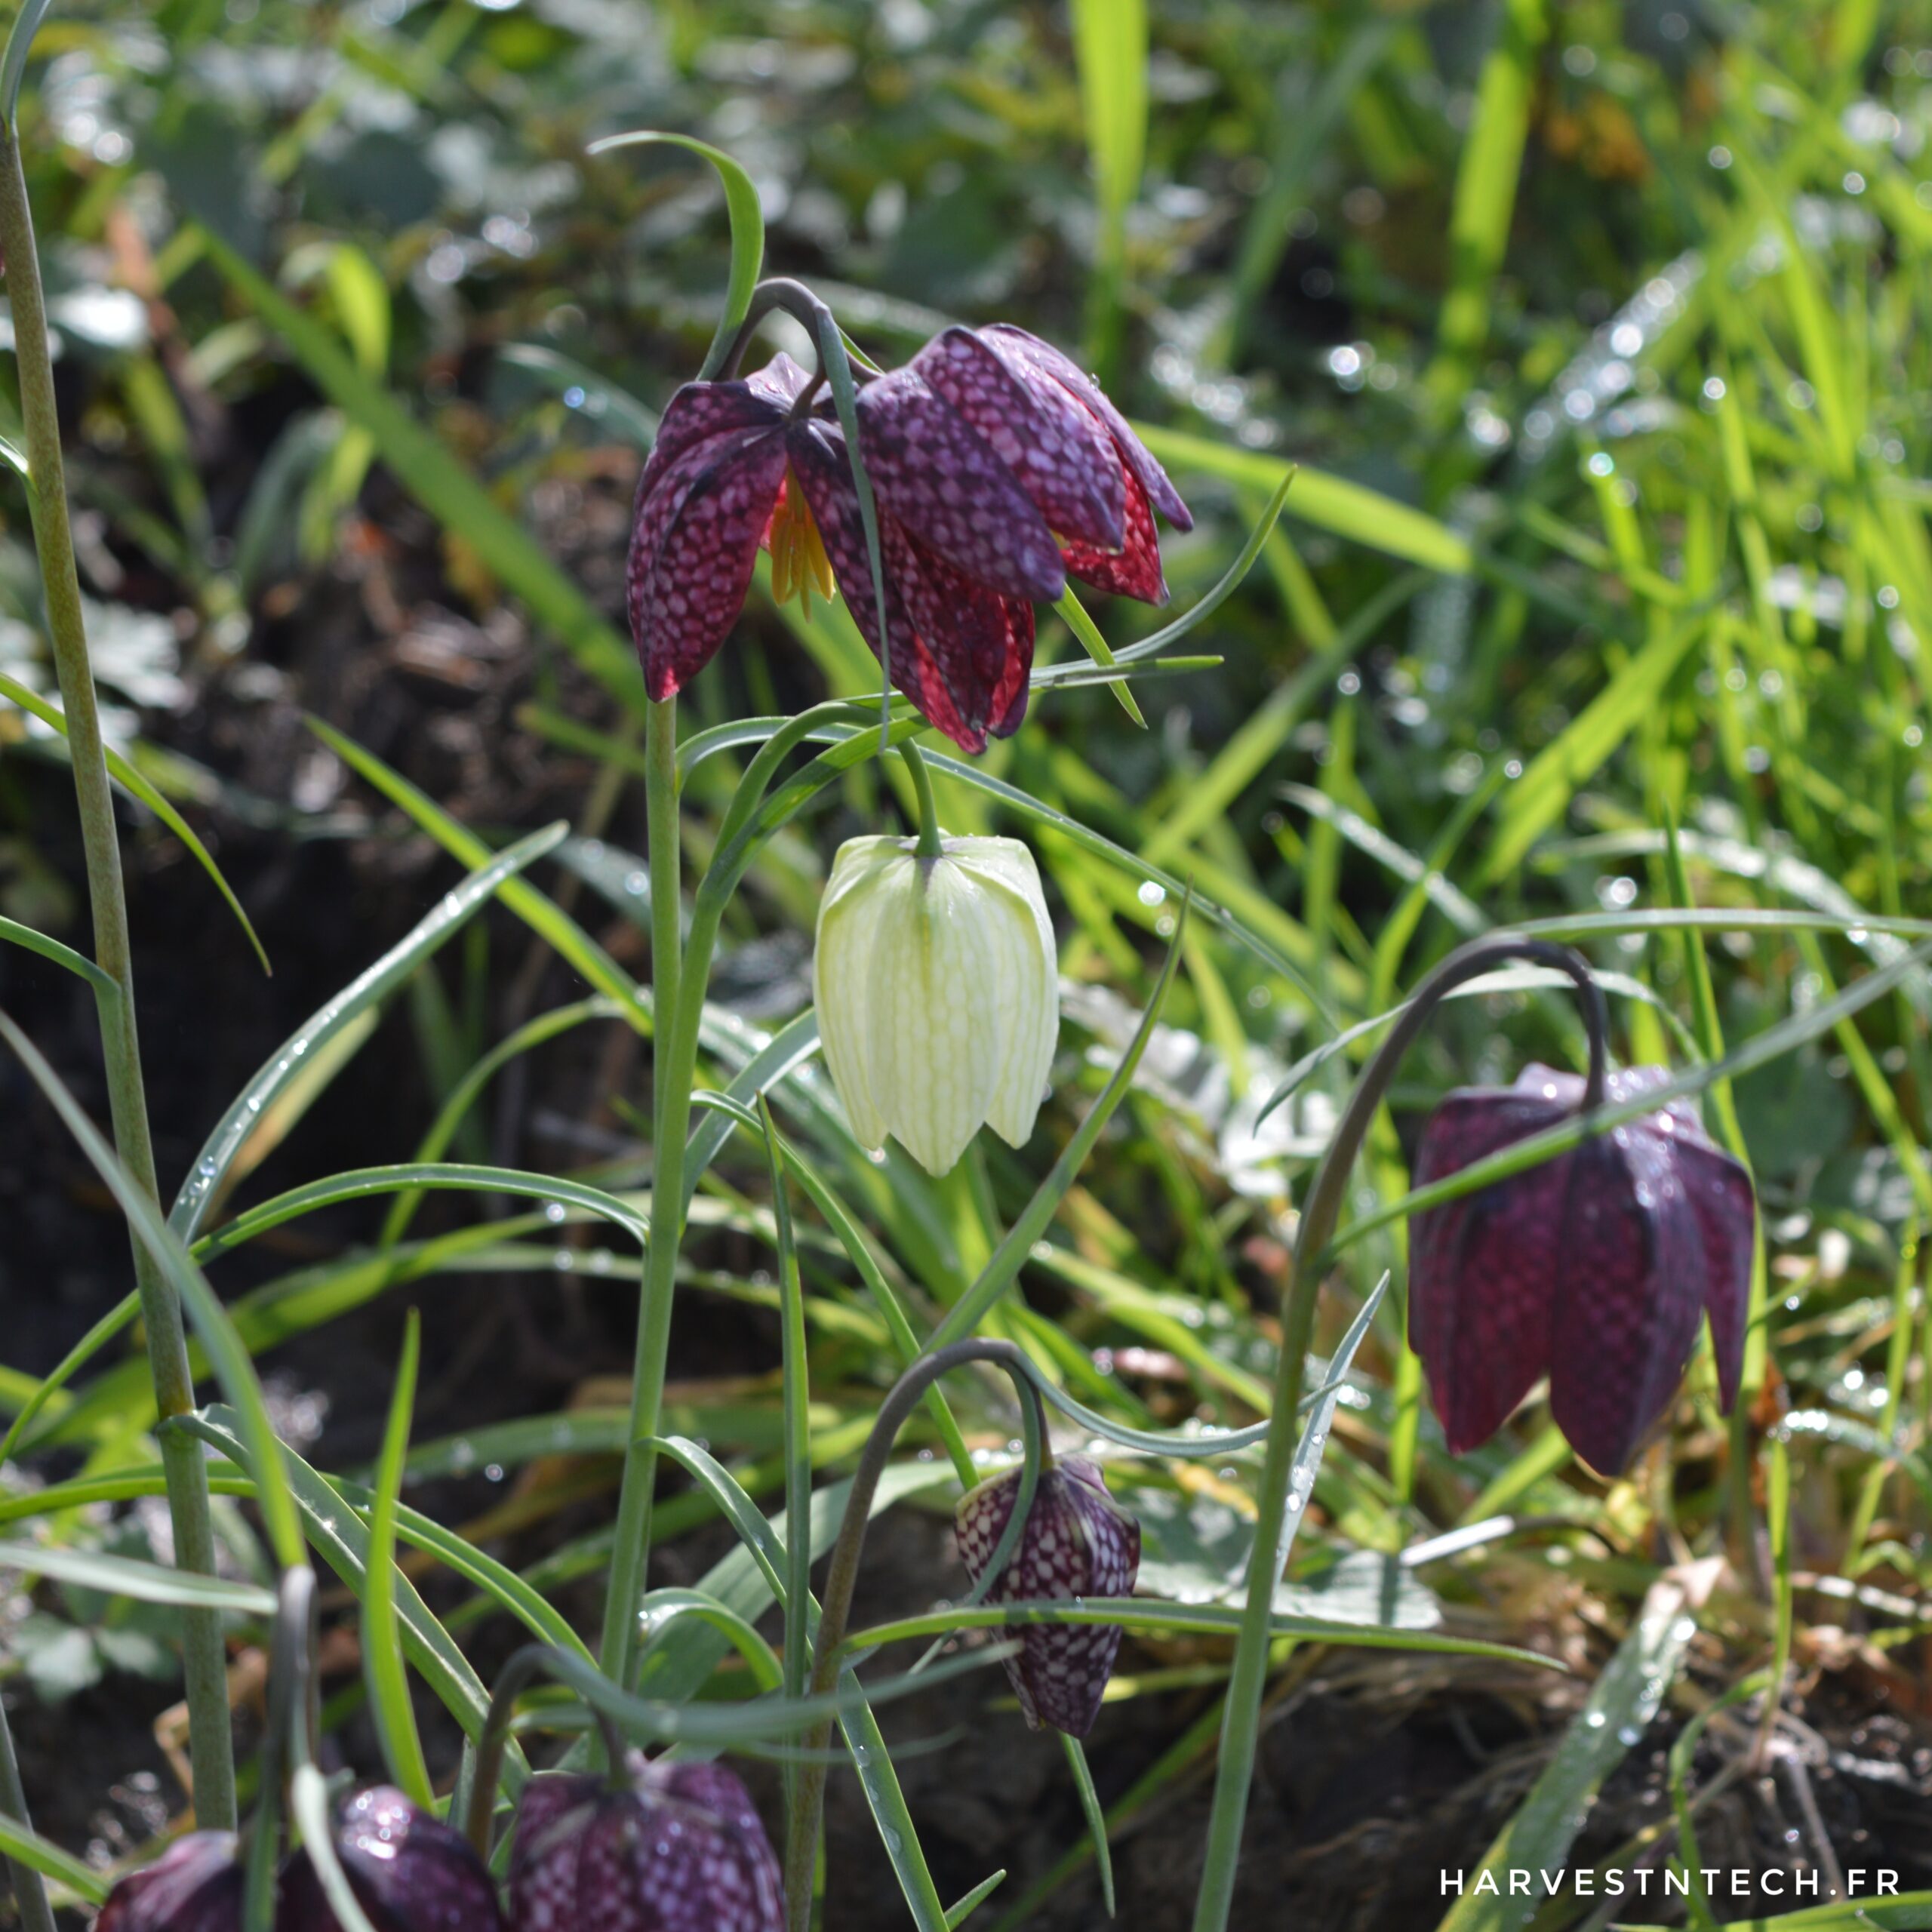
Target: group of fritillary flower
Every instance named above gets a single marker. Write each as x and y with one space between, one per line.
1000 469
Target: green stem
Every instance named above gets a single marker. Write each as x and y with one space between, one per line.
211 1749
1240 1724
671 1108
842 1577
931 845
29 1894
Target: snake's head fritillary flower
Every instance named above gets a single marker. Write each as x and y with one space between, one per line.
1077 1541
1595 1268
937 986
196 1885
410 1872
677 1848
997 467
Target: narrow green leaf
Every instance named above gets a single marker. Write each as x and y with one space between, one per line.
145 1582
382 1668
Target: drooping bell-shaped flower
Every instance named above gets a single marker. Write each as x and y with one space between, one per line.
1595 1268
1077 1541
196 1885
997 467
678 1847
410 1872
937 986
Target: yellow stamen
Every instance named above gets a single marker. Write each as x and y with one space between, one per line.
799 564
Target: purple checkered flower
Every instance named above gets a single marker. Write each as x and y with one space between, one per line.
196 1885
1594 1268
678 1847
998 468
1077 1541
410 1872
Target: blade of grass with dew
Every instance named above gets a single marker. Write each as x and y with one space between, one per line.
338 1536
369 988
1621 1704
217 1334
144 1582
383 1671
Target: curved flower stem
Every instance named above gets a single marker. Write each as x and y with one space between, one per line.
1320 1213
210 1741
522 1670
291 1712
931 845
29 1892
671 1107
906 1395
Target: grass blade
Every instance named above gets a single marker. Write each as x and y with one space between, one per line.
382 1667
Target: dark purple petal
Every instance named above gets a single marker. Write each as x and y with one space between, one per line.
781 380
410 1872
704 413
693 547
1135 570
196 1885
1722 1200
1482 1267
682 1849
1055 446
1047 360
1077 1541
1630 1295
958 651
935 473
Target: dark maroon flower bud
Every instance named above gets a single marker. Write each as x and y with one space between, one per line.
196 1885
1077 1541
1593 1268
410 1872
997 467
677 1848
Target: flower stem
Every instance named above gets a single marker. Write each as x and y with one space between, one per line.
29 1894
931 845
905 1396
671 1073
210 1741
291 1715
1240 1718
523 1668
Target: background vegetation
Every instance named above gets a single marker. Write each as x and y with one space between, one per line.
1601 333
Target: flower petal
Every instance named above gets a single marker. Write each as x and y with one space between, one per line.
1722 1200
1134 570
1629 1293
1043 357
957 650
1481 1267
694 547
935 474
1055 446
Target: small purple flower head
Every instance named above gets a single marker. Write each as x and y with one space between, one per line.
1078 1542
679 1848
998 467
196 1885
410 1872
1593 1268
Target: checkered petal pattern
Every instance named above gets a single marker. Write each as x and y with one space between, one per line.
680 1848
1077 1541
1593 1268
196 1885
410 1872
960 652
